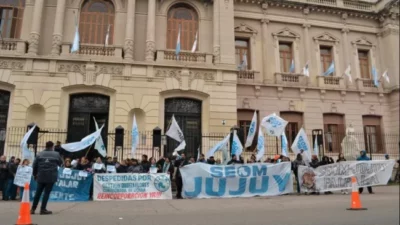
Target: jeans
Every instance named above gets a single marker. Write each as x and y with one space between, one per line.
11 191
3 189
179 185
46 187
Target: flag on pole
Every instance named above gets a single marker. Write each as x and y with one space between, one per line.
198 154
218 146
237 147
301 144
292 66
375 76
243 66
385 75
26 153
99 144
330 69
178 43
195 42
316 147
252 131
107 36
75 43
135 136
306 70
84 143
274 125
347 72
175 133
284 144
260 144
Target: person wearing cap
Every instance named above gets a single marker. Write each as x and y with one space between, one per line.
45 172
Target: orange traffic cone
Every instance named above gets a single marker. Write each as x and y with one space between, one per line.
24 217
355 196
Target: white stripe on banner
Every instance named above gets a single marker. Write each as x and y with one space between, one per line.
202 180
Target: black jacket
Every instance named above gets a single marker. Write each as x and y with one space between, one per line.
45 166
4 173
178 164
12 169
146 166
314 163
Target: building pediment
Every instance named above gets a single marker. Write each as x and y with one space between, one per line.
286 33
244 28
363 41
326 37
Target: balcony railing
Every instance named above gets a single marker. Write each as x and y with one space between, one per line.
346 4
331 82
358 5
191 57
323 2
246 74
13 47
290 79
367 85
93 50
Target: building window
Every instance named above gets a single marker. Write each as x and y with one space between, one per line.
186 18
372 134
242 51
295 122
11 14
364 64
326 57
286 56
96 17
334 131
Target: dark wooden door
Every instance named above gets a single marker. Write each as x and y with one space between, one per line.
4 107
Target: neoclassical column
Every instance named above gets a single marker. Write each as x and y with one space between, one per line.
306 28
216 32
58 27
264 29
345 46
151 30
129 30
35 29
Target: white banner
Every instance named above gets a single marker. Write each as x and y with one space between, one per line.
23 176
202 180
84 143
99 145
129 186
337 176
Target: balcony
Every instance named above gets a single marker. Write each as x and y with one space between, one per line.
291 79
184 56
331 82
13 47
92 50
344 4
367 85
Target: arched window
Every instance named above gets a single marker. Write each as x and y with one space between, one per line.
96 17
185 17
11 14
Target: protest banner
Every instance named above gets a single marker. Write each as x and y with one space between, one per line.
334 177
70 186
23 176
128 186
202 180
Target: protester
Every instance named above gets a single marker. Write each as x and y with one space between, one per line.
115 161
168 167
145 164
295 165
314 161
45 172
67 163
234 160
364 157
181 162
387 157
123 167
84 165
3 176
25 163
11 192
342 159
252 159
202 158
211 160
324 161
192 160
59 149
135 167
218 162
98 166
110 166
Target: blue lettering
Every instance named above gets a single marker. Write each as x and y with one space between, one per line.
217 171
230 171
260 171
221 187
244 171
264 185
241 189
198 181
282 183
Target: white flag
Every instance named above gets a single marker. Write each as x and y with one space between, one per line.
284 144
75 43
252 131
385 75
316 147
84 143
218 146
107 36
198 154
347 72
195 43
225 155
26 153
176 133
135 136
99 145
260 145
274 125
301 143
237 147
306 70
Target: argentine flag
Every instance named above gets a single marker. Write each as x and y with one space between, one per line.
306 70
284 144
385 75
375 76
292 67
347 72
330 69
178 44
260 144
75 43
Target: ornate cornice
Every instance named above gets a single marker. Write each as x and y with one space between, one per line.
12 64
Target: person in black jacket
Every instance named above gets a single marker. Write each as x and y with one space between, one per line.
45 172
3 176
179 163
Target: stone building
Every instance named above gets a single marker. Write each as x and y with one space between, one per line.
208 90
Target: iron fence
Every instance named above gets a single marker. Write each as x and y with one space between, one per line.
375 145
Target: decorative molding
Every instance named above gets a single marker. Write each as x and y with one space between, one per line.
362 96
322 95
201 75
150 50
343 96
257 91
334 107
33 43
326 37
244 28
169 74
128 48
280 92
81 68
302 92
292 105
108 69
264 21
56 44
363 41
286 33
70 67
246 103
372 109
12 64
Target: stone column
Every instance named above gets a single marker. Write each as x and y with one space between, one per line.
264 28
129 30
306 28
151 31
216 31
35 29
58 28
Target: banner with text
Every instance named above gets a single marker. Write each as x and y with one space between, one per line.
128 186
23 176
202 180
72 185
337 176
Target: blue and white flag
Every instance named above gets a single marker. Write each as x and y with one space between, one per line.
274 125
84 143
375 76
316 147
284 144
301 144
178 43
243 66
252 131
99 145
218 146
347 72
107 36
306 70
75 43
260 144
194 47
135 136
385 75
26 153
237 147
291 70
330 69
176 133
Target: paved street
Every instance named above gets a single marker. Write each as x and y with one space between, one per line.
383 209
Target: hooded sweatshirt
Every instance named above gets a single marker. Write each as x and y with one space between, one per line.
363 156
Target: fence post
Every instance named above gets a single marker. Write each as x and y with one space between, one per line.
33 139
157 141
119 140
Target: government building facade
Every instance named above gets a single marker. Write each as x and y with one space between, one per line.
249 57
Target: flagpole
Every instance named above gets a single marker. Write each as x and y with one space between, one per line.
87 152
